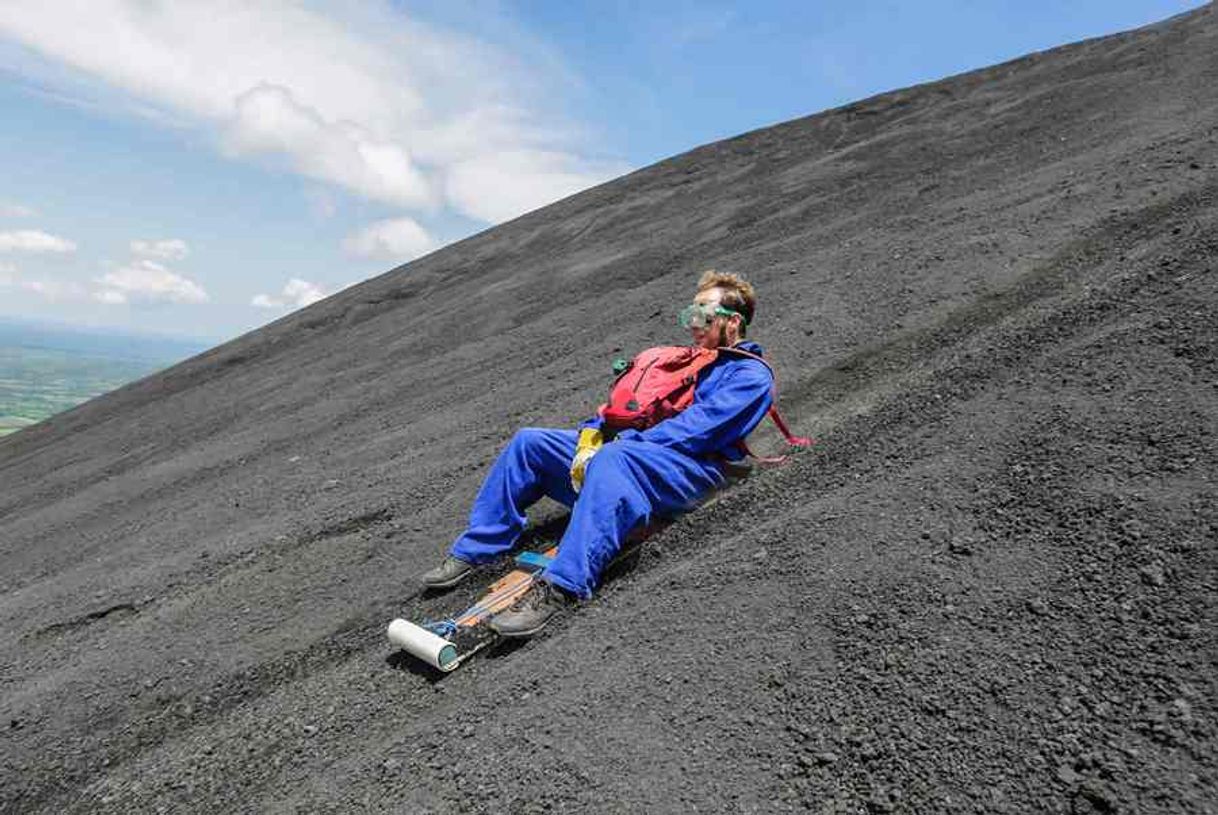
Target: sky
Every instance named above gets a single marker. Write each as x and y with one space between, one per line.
200 169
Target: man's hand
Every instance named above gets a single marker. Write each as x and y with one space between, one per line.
590 441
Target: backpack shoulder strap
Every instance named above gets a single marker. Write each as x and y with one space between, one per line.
739 352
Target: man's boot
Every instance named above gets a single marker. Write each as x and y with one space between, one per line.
533 611
449 573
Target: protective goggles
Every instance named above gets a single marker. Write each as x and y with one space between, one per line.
697 315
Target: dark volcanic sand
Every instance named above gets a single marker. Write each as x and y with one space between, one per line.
990 587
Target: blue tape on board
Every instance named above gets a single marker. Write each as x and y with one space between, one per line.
533 559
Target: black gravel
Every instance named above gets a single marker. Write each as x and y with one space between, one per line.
990 587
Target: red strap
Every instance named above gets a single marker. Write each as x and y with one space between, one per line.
794 441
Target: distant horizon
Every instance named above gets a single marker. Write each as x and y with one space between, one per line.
52 324
47 366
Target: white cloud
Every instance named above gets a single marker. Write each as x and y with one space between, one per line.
169 249
497 186
142 280
296 293
111 297
149 281
8 210
399 239
360 96
35 242
269 119
54 290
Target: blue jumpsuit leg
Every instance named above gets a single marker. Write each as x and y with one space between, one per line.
626 484
537 460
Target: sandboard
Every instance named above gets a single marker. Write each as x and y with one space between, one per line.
446 644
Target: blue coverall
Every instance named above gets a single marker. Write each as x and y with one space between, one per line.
661 471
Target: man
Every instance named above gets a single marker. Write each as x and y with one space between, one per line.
613 488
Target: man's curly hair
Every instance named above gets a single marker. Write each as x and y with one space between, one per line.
738 293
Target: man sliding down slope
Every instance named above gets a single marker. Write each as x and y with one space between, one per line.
616 479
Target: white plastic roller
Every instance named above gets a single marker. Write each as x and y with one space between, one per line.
431 648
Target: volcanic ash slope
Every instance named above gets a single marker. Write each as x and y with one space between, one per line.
990 586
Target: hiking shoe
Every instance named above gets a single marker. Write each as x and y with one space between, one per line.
449 573
533 611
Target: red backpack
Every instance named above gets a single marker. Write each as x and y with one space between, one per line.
659 383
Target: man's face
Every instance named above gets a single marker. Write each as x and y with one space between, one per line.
711 336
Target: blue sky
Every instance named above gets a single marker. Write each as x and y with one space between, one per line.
201 169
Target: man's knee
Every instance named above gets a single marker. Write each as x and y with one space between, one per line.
541 449
527 437
609 460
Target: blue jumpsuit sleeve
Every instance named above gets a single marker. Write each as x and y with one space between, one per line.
719 417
